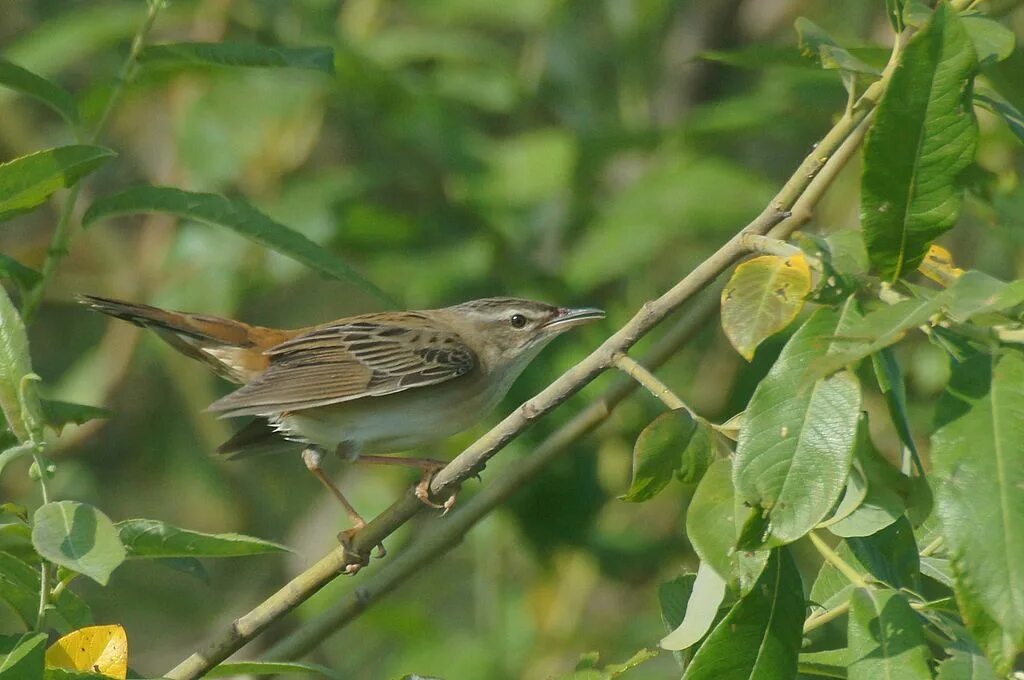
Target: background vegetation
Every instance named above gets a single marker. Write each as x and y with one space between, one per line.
580 152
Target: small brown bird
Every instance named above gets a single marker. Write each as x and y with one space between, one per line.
363 385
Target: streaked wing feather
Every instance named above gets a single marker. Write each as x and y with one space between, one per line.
340 363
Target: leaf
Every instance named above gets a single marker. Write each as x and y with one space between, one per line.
992 41
798 439
57 414
698 455
712 528
816 44
79 537
976 293
760 636
890 381
938 266
763 296
854 494
239 54
830 663
894 10
658 453
965 664
28 181
701 607
234 214
19 587
923 137
979 473
22 655
673 596
587 668
25 277
18 398
97 649
44 90
885 637
995 103
886 497
153 538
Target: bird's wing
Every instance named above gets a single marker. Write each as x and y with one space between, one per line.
351 360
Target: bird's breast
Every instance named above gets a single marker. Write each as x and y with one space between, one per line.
401 421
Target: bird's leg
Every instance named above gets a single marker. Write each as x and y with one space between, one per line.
312 456
430 468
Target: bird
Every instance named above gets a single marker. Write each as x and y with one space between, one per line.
363 386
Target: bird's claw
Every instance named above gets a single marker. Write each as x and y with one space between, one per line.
422 492
362 559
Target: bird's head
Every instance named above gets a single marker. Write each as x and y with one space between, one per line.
507 331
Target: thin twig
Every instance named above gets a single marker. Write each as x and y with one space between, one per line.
44 567
930 549
473 460
830 556
821 619
62 234
651 383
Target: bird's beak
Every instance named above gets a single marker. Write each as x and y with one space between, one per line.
570 318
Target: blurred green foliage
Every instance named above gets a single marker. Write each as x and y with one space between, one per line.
575 151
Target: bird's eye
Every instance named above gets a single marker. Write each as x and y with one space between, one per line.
517 321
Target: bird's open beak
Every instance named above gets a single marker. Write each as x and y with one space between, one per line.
570 318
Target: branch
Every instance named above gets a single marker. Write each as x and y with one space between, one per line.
651 383
474 459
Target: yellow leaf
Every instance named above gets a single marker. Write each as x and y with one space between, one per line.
95 649
938 266
763 296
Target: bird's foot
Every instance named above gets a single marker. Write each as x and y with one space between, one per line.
345 539
422 491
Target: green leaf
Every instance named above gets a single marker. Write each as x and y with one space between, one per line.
234 214
887 491
658 453
890 381
979 472
976 293
798 439
712 528
587 668
816 44
992 41
830 663
995 103
701 608
239 54
763 296
22 655
18 398
760 636
19 587
79 537
28 181
153 538
698 455
673 596
885 637
923 137
965 664
25 277
35 86
233 669
57 414
894 10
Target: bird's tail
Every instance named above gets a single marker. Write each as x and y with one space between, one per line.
232 348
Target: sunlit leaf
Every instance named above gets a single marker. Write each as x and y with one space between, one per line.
992 41
820 46
701 608
234 214
153 538
827 664
18 398
976 293
763 296
889 376
233 669
938 266
760 636
21 656
979 472
19 587
28 181
795 449
79 537
965 664
39 88
885 637
239 54
924 135
885 498
97 649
